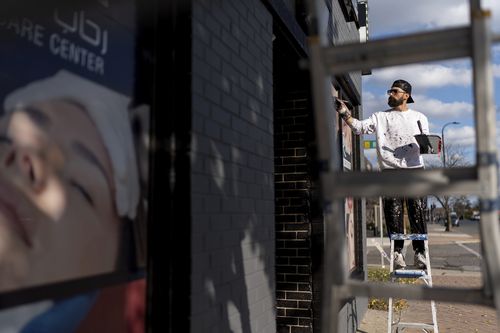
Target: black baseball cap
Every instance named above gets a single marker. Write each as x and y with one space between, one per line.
405 86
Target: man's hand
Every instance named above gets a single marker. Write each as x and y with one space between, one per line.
342 109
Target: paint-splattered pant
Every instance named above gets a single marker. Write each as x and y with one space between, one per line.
393 211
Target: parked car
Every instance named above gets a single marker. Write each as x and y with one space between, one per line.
476 217
455 220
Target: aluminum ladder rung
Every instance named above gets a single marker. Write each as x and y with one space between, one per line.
415 292
413 183
408 237
420 47
414 325
409 274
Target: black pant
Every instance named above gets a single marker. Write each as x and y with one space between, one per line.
393 211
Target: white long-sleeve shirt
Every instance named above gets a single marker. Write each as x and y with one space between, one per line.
397 147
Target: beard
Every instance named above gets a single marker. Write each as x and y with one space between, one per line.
394 102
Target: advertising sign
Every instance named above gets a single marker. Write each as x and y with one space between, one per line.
72 189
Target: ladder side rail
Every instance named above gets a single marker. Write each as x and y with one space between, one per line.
430 284
486 148
390 305
325 119
335 265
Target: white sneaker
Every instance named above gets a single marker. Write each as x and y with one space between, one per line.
420 260
399 260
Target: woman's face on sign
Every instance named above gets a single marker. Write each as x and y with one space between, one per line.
57 215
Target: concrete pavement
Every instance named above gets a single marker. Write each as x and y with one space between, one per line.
451 317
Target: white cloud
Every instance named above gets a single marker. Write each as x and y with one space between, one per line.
372 103
397 17
496 50
423 76
434 108
496 70
400 17
431 107
464 136
498 136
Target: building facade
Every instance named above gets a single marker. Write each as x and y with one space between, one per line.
257 227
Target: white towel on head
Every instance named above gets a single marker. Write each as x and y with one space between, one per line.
109 111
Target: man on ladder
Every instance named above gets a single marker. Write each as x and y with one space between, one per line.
397 148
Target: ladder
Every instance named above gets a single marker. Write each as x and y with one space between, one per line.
422 274
473 41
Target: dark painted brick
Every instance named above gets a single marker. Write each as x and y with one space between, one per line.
282 261
297 244
296 176
287 321
304 287
300 329
304 252
295 193
295 160
283 329
302 269
305 322
295 210
281 252
286 235
296 226
297 278
303 235
285 186
299 261
287 304
298 295
282 286
293 198
281 278
298 313
304 304
287 269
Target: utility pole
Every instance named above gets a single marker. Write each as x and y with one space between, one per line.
447 209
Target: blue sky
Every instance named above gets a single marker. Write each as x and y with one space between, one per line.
442 90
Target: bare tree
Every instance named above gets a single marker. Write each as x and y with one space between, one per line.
455 158
462 205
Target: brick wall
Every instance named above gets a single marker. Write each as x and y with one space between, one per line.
233 275
294 279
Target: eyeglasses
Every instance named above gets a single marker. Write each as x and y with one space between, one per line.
395 91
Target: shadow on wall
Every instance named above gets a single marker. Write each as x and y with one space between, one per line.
234 241
232 168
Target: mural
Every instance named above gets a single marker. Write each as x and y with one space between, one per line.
346 135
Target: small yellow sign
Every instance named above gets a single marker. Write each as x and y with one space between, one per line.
370 144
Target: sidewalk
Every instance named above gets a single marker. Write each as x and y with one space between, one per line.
451 317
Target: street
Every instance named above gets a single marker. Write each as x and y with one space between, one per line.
458 250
